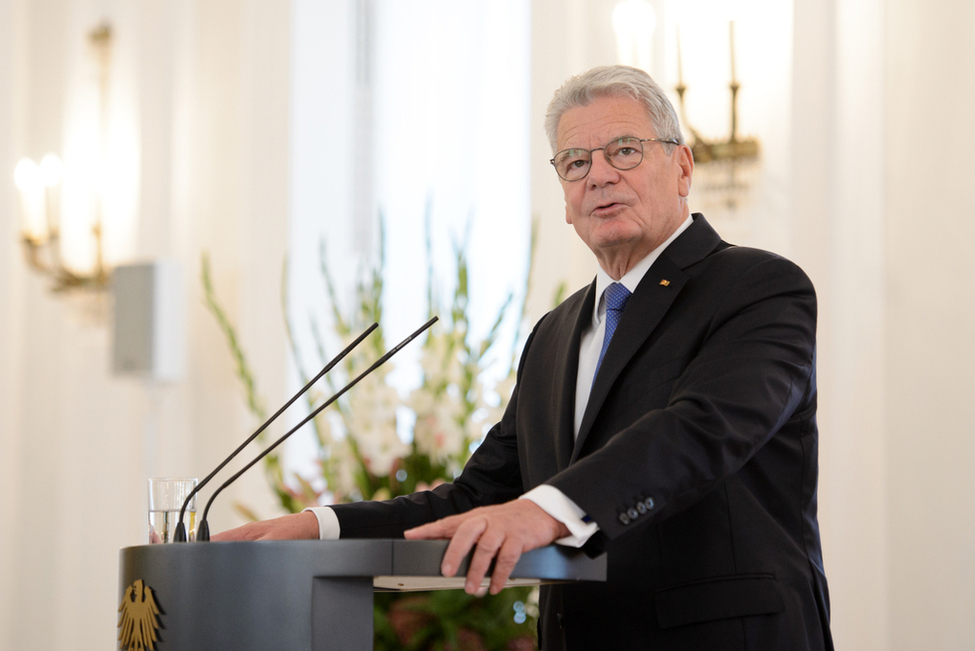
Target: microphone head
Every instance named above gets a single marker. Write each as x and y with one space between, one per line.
179 535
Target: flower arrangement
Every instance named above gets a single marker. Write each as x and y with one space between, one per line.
362 457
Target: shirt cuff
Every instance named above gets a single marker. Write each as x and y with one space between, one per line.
554 502
328 522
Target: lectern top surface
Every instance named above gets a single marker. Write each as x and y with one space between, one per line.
392 561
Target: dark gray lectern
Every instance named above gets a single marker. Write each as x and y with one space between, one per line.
295 595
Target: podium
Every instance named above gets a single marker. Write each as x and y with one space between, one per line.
302 595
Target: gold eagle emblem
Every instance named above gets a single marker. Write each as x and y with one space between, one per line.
138 621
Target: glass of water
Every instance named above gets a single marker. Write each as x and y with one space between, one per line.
166 497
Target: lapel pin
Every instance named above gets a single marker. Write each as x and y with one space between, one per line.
665 283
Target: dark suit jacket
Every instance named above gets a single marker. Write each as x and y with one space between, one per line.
697 458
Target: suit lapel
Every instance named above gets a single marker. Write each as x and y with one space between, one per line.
652 299
579 317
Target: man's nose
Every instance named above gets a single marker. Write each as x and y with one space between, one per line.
600 171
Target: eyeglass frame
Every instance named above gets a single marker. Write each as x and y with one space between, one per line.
669 141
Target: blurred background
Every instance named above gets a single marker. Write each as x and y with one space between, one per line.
260 131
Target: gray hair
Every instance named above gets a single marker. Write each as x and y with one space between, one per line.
605 81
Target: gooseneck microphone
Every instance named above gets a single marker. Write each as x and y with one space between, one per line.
203 531
179 535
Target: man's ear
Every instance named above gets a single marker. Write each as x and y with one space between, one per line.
685 160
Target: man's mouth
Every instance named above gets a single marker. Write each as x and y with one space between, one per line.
604 208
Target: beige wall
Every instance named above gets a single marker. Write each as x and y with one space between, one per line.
883 214
930 101
837 156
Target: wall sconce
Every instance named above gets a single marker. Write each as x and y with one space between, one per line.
40 194
723 166
40 187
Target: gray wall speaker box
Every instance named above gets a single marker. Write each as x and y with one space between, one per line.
150 329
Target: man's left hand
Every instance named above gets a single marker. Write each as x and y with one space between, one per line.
502 532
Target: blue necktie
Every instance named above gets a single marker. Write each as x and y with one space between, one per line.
616 297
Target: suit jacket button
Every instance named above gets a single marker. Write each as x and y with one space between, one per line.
624 518
632 512
648 503
641 508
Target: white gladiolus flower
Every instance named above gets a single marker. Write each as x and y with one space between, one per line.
431 361
373 424
454 372
422 401
438 432
344 469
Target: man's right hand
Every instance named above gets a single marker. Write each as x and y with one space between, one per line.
297 526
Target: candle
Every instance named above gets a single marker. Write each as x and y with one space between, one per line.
27 176
680 66
731 40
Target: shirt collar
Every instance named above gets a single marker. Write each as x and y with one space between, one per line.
634 275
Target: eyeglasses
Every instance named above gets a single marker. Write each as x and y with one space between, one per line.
623 153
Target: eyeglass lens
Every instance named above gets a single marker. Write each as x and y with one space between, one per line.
622 153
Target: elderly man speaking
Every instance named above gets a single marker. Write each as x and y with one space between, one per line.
665 414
